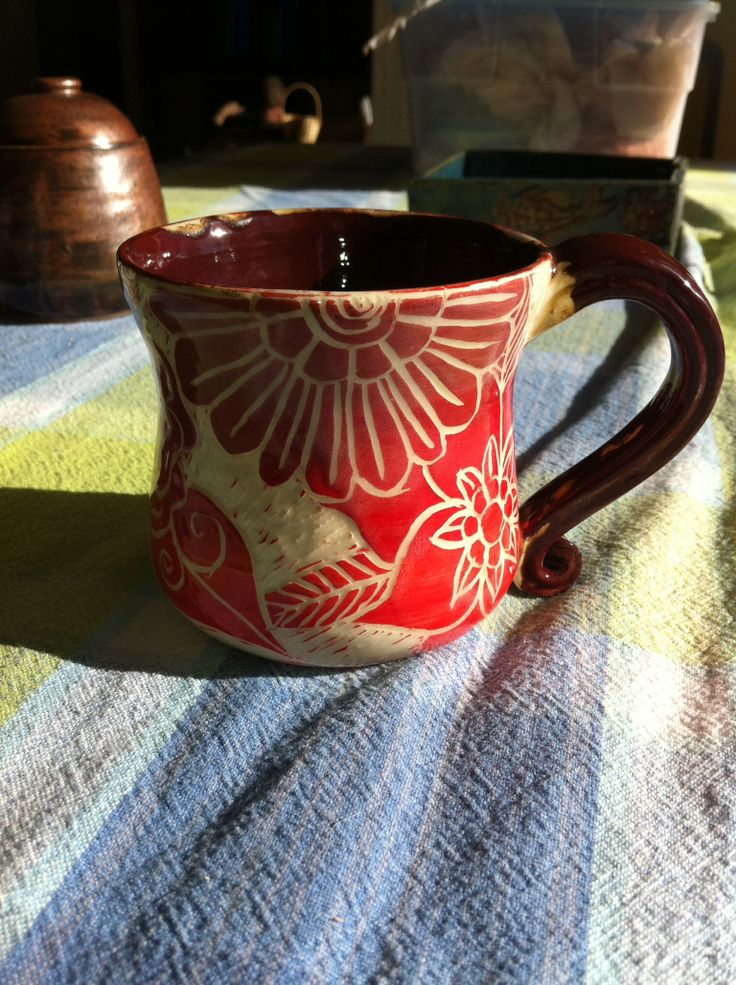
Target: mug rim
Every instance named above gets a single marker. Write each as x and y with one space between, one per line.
197 226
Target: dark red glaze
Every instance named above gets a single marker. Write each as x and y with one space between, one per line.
608 266
329 250
75 181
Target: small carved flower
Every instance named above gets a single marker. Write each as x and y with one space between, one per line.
484 526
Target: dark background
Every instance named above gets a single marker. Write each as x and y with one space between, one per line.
170 65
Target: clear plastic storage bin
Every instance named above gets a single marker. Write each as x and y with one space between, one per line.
591 78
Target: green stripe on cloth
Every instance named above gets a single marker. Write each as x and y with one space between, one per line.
658 602
663 906
711 213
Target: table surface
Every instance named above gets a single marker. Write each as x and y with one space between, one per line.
550 799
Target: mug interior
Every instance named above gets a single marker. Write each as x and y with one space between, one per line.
328 250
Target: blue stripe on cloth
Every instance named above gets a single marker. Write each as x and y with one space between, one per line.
317 827
155 857
500 889
29 352
118 721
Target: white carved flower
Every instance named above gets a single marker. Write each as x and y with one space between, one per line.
484 526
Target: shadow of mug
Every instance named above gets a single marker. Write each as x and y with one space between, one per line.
76 568
76 584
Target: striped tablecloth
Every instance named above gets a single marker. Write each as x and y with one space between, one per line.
551 799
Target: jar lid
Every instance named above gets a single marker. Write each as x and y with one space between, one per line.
58 113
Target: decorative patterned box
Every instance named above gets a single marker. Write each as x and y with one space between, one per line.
554 196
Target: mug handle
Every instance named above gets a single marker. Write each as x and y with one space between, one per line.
597 267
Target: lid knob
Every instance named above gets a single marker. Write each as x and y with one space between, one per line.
59 113
56 83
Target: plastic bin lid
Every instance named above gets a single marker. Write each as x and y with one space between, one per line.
410 8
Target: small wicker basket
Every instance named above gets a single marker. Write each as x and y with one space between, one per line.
302 128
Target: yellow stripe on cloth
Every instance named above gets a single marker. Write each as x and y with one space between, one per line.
105 444
666 597
187 203
74 499
21 672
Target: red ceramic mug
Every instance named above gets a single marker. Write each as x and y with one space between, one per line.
336 478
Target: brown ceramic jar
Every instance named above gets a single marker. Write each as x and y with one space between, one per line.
76 180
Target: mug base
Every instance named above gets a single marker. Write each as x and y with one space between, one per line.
324 659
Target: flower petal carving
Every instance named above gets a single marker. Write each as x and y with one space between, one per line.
342 391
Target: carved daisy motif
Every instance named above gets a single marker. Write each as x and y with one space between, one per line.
484 526
342 391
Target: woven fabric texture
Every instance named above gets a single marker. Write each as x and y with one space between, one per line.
551 799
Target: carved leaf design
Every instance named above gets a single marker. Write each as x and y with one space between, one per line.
352 644
325 593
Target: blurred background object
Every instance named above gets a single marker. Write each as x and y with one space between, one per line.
170 72
75 180
554 196
574 77
706 130
305 127
131 52
235 124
